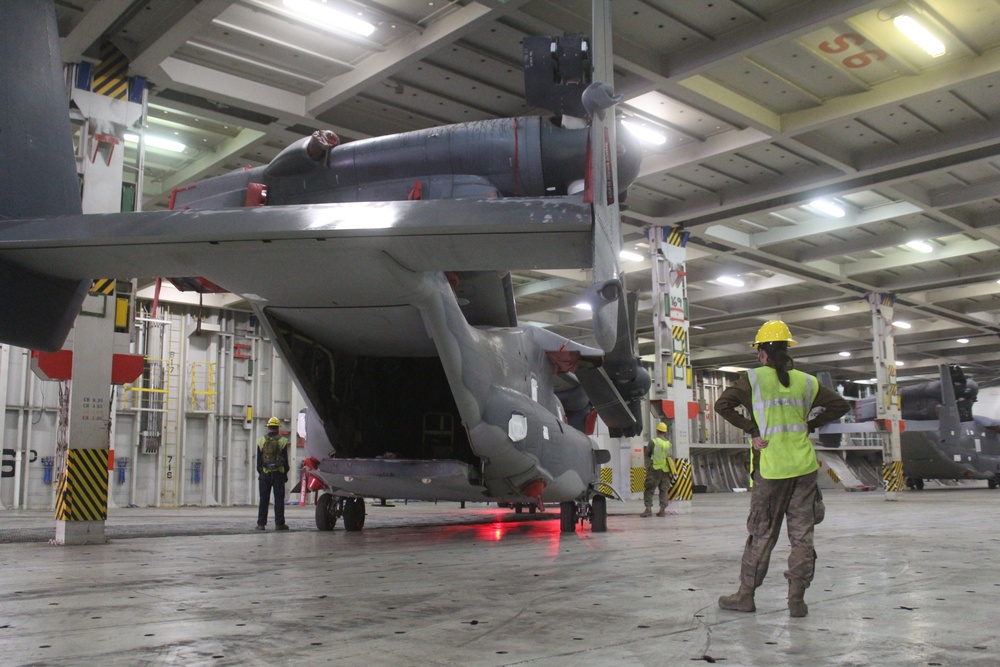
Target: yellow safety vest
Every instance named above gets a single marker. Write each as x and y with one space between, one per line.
282 446
661 452
781 414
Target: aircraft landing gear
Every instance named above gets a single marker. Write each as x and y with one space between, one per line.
354 514
330 507
596 512
993 482
915 483
567 517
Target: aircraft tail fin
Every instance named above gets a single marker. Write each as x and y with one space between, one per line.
37 170
950 423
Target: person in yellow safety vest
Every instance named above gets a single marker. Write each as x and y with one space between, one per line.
657 471
272 473
780 400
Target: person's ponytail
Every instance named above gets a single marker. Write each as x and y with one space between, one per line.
777 358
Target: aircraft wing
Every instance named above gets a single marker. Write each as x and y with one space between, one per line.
296 256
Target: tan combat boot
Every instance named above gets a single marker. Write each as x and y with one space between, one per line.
662 512
796 605
741 600
647 512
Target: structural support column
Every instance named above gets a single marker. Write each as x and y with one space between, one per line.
672 367
82 492
4 473
887 407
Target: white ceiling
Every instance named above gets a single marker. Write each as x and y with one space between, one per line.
766 106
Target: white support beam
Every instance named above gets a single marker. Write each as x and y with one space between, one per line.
717 144
407 51
224 151
147 62
945 77
243 91
910 258
813 227
92 25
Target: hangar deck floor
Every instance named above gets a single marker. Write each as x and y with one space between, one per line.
914 582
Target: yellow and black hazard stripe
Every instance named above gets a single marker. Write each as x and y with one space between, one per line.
683 479
638 479
82 492
111 75
679 333
104 286
678 237
892 475
604 486
888 299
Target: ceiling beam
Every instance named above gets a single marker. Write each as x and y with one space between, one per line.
408 51
92 26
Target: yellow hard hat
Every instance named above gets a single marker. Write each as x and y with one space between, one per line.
773 331
661 427
273 421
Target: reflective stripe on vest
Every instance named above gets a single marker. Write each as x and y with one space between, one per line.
661 451
282 444
781 414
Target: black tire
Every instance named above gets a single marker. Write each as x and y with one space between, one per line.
532 509
567 517
326 512
354 514
518 507
599 514
992 483
919 484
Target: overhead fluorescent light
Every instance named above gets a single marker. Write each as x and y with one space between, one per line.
630 256
963 341
728 280
919 35
643 133
330 18
845 353
158 142
732 369
922 246
900 363
901 324
583 305
832 307
827 207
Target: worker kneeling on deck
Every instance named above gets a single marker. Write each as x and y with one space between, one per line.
783 463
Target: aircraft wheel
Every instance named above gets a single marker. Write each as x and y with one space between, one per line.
532 509
326 512
992 483
517 508
567 517
599 514
354 514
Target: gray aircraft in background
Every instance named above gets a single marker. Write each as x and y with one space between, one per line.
941 438
380 271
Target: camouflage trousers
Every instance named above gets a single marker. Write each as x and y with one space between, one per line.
797 501
656 479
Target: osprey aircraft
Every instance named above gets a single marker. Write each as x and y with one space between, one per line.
941 438
380 270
